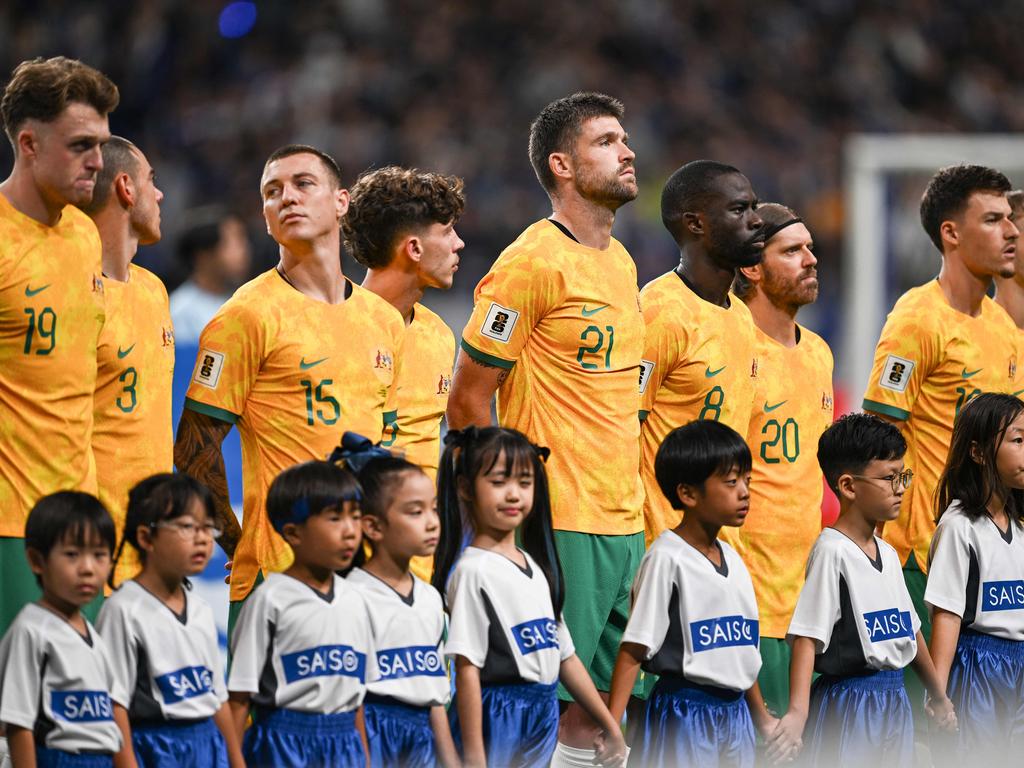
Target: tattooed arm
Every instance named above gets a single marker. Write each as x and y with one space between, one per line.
197 453
473 386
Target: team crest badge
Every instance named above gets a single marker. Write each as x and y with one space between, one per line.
384 361
444 384
167 337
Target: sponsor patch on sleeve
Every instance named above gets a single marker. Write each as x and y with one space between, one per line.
646 369
896 373
499 323
208 367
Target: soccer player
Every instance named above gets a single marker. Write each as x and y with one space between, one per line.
51 298
699 349
294 358
793 406
1010 291
400 225
556 331
943 343
131 436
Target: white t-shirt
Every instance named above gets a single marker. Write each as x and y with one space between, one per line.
502 620
59 683
977 572
696 619
294 648
857 610
408 634
169 664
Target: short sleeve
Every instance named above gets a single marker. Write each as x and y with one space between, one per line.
114 626
949 562
652 594
231 351
249 644
468 628
512 298
566 648
907 352
20 677
818 608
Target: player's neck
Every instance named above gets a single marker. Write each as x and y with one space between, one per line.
119 243
1010 296
22 193
399 289
590 224
167 589
70 612
315 271
316 577
391 570
502 542
700 536
855 525
707 279
964 290
776 322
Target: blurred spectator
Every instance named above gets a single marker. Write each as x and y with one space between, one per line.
215 250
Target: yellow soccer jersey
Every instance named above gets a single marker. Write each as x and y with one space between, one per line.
51 313
698 364
421 393
293 374
793 406
131 437
564 319
930 360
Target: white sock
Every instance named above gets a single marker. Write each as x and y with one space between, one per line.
572 757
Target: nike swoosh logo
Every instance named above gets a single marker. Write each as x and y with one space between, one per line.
708 373
32 292
967 374
1017 393
770 408
306 366
121 354
594 311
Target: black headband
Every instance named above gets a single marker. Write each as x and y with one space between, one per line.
770 232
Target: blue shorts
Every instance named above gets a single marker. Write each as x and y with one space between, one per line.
398 734
56 758
689 724
986 684
172 744
859 721
520 724
284 738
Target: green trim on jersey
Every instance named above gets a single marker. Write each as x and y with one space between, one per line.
642 414
483 357
886 410
211 410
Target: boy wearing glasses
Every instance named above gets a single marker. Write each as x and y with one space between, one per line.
854 623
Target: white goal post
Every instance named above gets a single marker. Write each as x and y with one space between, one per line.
868 160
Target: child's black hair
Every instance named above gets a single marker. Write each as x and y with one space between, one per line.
470 453
853 442
308 489
690 454
378 479
980 426
160 497
68 515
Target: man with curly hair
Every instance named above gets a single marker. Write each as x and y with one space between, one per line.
400 225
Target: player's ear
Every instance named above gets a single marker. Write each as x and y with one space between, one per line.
692 223
372 528
341 199
753 274
560 164
412 247
687 494
977 455
124 188
144 535
26 142
949 233
36 561
846 488
290 533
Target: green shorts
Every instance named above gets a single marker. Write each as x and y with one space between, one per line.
774 675
599 574
18 585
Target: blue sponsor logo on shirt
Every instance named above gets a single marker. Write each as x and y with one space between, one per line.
413 661
536 635
723 632
1002 595
324 661
81 706
889 624
185 683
